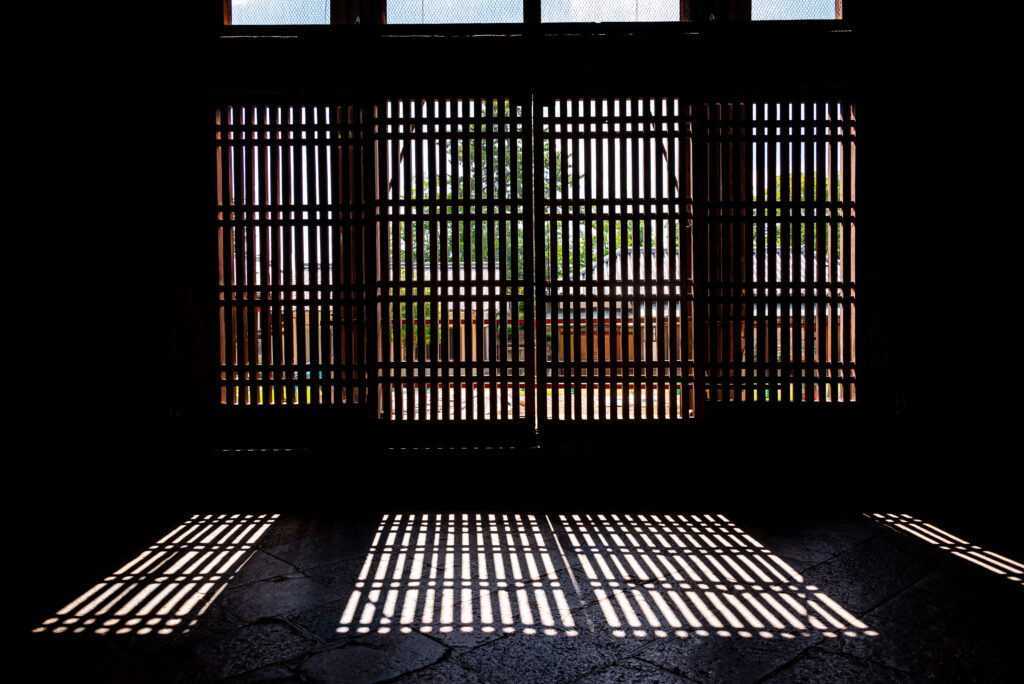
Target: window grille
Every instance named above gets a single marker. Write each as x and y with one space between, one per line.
531 259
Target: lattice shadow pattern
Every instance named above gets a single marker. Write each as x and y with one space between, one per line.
946 541
644 576
165 589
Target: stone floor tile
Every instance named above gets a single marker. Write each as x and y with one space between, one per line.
272 674
261 566
840 533
249 648
372 658
273 597
313 541
961 580
445 672
939 651
871 573
817 665
934 617
340 577
715 658
464 638
921 608
321 621
562 656
630 671
800 552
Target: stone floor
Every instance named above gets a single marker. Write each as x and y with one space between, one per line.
533 596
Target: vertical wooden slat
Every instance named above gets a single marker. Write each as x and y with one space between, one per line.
741 270
519 245
266 289
601 303
592 226
659 228
805 291
496 151
616 254
644 150
405 248
546 231
276 279
364 257
406 210
783 324
716 187
237 278
635 205
755 271
718 181
478 247
825 213
458 213
417 162
288 178
561 400
495 353
727 246
446 148
369 199
753 274
304 193
772 305
699 242
396 281
461 269
318 318
344 292
509 194
434 146
625 259
833 261
676 307
530 190
801 227
311 303
772 308
311 256
466 260
225 200
328 232
248 257
419 183
574 280
850 251
730 217
382 216
679 320
688 224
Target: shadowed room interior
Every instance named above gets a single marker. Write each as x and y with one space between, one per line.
380 351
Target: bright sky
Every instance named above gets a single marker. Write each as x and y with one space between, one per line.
247 12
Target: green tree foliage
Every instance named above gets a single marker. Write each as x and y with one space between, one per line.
478 184
807 226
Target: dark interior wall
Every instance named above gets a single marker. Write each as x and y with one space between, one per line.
128 201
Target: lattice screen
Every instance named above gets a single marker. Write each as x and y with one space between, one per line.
777 188
386 256
292 296
616 228
454 258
